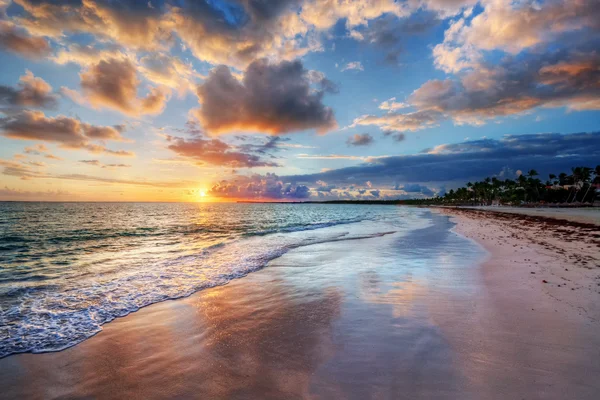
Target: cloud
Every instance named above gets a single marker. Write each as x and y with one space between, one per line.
7 193
215 152
166 70
549 58
114 84
270 145
515 86
363 139
31 91
392 105
447 8
20 42
40 150
233 33
460 162
415 188
131 23
401 122
388 31
563 78
331 157
272 98
259 187
515 26
324 14
90 162
271 187
397 136
70 133
97 163
353 66
26 172
87 55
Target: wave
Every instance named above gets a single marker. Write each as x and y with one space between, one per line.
52 318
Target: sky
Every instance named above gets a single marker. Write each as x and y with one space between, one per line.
291 100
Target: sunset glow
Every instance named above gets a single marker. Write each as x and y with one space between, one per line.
290 101
299 199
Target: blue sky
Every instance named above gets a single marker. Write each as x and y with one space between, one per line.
222 100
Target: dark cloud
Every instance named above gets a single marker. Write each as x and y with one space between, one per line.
363 139
20 42
268 10
272 98
415 188
397 136
547 153
388 32
31 91
215 152
262 146
70 133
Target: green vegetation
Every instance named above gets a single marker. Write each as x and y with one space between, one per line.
577 188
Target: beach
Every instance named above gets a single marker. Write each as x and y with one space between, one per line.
470 305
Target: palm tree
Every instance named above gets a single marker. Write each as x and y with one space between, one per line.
526 188
562 179
588 174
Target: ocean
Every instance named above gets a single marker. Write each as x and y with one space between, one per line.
68 268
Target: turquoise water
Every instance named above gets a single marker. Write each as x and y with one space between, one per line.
68 268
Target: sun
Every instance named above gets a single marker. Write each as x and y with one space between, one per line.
202 193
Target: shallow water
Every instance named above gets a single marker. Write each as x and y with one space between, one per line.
68 268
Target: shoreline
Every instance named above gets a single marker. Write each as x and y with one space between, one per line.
544 247
342 320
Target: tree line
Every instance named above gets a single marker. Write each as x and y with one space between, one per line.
577 188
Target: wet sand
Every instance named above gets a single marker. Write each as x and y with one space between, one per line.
390 317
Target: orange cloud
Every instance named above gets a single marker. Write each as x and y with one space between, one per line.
70 133
31 91
114 84
132 24
22 43
215 152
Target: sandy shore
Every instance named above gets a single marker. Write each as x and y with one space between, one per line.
581 215
539 320
362 320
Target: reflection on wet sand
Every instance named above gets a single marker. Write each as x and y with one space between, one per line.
252 339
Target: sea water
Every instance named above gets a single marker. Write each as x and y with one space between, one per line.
68 268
